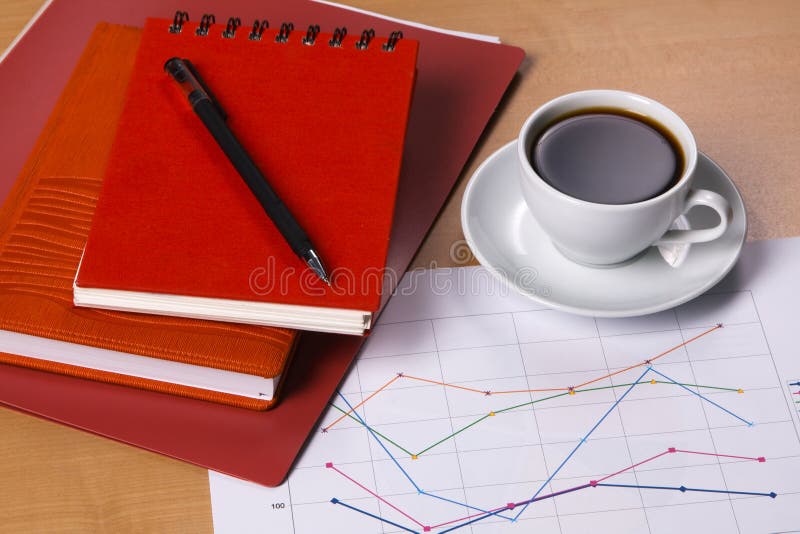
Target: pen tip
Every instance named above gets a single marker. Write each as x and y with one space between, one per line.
313 261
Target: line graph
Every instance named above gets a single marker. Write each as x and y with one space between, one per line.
486 414
568 390
349 413
600 482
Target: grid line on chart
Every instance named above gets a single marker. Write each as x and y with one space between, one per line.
393 416
625 434
570 389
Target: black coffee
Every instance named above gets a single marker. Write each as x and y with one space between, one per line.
607 156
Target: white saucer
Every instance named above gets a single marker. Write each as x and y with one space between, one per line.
507 240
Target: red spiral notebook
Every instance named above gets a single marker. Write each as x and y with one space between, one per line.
178 232
460 83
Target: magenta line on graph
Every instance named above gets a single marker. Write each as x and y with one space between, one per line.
511 506
330 465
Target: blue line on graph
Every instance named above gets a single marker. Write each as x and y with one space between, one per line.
534 498
745 421
379 518
795 383
684 489
386 450
583 440
541 498
400 467
423 492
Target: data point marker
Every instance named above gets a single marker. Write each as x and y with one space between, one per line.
593 483
329 464
653 381
683 489
414 456
491 414
672 449
426 529
773 494
719 325
335 500
761 459
510 506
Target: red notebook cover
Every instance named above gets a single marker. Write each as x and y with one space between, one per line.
43 228
325 125
459 85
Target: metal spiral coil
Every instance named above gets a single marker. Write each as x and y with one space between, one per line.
231 27
338 36
259 26
283 34
181 17
366 37
205 23
258 30
311 35
391 43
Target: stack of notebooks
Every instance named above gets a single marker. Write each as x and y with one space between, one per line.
139 274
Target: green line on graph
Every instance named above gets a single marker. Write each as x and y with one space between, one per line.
522 405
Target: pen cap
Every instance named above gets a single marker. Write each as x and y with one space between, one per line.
181 72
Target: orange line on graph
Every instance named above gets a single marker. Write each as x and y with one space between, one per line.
454 386
654 358
541 390
354 408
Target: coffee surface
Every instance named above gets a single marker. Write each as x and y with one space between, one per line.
606 158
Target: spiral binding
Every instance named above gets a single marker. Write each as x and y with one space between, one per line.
338 36
311 35
231 27
283 33
286 28
391 43
177 23
366 37
258 30
205 23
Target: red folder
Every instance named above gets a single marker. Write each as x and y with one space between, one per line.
459 85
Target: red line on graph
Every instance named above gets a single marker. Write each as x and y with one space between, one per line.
760 458
542 390
593 483
471 516
387 503
634 466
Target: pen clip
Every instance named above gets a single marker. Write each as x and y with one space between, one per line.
211 96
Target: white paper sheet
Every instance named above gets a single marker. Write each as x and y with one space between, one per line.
460 443
468 35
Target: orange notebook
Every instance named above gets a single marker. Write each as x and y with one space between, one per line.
178 232
43 228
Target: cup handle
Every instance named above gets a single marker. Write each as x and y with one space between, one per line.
701 197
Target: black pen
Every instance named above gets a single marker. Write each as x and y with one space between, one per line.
208 109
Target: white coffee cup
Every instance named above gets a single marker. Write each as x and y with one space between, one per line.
607 234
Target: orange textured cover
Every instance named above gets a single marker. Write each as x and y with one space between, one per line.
43 228
325 125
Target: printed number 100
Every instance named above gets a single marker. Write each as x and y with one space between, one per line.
278 506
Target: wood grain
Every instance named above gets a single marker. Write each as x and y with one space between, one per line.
729 68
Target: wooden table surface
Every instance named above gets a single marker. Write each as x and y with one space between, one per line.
731 69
